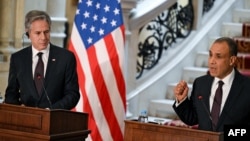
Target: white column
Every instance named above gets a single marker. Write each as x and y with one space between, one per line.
7 39
7 24
127 6
57 10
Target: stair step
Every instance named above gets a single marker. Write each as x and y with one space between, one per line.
231 29
162 108
246 29
190 73
243 61
241 15
243 44
212 39
170 90
202 59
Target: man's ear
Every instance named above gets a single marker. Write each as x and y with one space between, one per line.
233 60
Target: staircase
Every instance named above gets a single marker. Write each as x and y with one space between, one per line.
233 26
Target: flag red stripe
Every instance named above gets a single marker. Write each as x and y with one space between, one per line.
103 94
95 134
116 69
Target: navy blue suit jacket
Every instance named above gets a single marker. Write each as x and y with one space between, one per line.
60 83
236 110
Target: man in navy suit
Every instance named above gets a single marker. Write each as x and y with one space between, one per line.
235 105
60 89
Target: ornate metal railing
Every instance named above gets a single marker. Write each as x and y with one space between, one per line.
207 5
176 22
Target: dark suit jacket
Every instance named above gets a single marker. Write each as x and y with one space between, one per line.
236 110
60 83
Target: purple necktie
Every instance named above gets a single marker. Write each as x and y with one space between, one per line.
39 72
215 113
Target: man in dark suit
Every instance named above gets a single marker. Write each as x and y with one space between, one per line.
58 80
235 103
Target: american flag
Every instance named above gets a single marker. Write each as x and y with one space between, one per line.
98 39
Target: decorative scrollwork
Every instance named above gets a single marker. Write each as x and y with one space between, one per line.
161 33
207 5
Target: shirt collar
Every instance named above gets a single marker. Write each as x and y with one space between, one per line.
228 79
35 51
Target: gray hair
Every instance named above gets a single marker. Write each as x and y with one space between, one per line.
34 15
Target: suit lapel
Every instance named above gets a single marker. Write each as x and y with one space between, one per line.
51 64
207 90
233 94
27 59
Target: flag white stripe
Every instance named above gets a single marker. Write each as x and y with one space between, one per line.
119 42
79 106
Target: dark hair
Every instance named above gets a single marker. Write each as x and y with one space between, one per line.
233 48
34 15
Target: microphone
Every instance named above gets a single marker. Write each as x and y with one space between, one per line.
210 117
207 111
23 37
39 77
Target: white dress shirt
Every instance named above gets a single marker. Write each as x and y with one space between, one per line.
228 80
45 57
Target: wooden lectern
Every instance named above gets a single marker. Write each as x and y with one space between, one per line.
19 123
136 131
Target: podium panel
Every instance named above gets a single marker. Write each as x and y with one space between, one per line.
148 131
29 124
